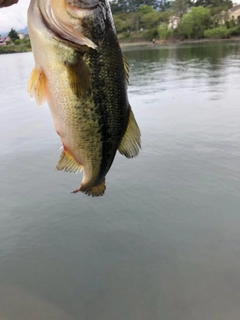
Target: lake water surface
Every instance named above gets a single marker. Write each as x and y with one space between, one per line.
164 241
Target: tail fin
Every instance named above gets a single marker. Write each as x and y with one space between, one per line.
94 191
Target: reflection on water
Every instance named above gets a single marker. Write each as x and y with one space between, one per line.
164 242
200 67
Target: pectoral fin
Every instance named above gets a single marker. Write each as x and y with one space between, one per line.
37 85
79 76
68 163
131 141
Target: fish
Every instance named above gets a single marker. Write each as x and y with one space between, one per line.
83 75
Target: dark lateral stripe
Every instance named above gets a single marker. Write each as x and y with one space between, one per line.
109 95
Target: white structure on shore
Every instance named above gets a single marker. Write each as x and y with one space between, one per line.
231 14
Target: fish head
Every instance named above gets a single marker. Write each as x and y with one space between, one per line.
81 22
92 14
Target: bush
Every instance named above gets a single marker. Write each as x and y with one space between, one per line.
126 35
149 20
178 34
164 32
232 23
27 44
195 22
217 33
152 34
120 25
235 31
17 42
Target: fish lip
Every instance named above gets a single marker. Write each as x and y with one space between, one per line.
87 7
83 4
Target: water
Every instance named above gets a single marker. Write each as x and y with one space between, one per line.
164 241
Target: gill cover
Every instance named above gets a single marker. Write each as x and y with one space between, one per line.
65 18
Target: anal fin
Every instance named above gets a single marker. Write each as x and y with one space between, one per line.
68 163
37 85
131 141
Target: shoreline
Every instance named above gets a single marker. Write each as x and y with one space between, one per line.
160 43
143 43
13 50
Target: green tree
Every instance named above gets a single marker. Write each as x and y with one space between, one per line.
13 35
213 3
145 9
196 22
150 18
115 7
120 25
163 5
125 21
118 6
147 17
180 7
164 32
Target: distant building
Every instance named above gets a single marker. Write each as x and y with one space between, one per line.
173 22
221 17
3 40
21 35
234 13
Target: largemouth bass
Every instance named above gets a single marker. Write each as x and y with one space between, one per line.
82 73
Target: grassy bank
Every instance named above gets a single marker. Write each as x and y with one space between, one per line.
13 49
128 43
16 46
143 41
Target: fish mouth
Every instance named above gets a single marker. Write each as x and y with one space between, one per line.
82 4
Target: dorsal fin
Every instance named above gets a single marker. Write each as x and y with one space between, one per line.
126 68
131 141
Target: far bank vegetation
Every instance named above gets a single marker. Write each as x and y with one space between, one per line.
159 20
151 20
14 42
